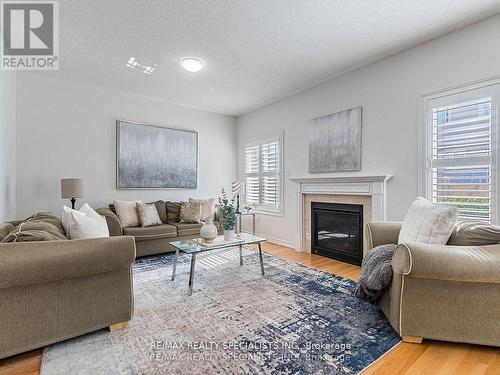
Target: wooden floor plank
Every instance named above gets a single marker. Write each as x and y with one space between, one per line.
430 357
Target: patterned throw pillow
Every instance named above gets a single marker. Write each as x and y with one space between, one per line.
190 212
148 214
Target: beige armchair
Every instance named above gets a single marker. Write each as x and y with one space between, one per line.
441 292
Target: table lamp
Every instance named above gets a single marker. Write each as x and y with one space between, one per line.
71 188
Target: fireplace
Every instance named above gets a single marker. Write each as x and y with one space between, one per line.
337 231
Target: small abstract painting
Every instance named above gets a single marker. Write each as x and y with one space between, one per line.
335 142
155 157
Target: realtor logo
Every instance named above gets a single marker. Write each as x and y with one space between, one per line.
30 35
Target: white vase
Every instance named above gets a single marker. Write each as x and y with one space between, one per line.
229 235
208 231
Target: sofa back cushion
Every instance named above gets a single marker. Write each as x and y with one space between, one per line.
470 233
428 222
173 211
161 208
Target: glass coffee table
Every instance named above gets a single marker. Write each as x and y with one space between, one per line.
193 248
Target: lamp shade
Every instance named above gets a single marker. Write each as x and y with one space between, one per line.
238 187
71 188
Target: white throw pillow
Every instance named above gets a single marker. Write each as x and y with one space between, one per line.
89 226
428 222
207 207
127 213
97 227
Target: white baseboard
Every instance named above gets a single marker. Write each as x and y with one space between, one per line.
277 241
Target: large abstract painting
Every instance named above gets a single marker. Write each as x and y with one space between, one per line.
154 157
335 142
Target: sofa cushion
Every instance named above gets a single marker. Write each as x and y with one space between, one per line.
188 229
428 222
161 207
173 211
207 207
127 212
190 212
148 215
473 233
151 233
5 229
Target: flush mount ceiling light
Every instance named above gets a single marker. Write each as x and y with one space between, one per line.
192 64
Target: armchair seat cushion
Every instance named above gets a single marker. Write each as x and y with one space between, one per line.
151 233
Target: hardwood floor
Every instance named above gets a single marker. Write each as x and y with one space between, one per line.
429 357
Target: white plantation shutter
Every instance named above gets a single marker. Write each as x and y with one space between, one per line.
263 174
462 154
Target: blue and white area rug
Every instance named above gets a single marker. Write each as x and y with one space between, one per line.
293 320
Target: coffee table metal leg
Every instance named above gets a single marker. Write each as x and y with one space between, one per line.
241 255
261 260
175 263
191 274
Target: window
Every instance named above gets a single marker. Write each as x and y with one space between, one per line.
460 169
263 183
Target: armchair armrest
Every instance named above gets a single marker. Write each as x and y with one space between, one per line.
26 263
114 224
451 263
382 233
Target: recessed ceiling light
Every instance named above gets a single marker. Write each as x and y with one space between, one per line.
192 64
132 63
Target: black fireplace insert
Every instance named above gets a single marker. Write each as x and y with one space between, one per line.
337 231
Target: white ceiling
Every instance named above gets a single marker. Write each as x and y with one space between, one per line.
256 51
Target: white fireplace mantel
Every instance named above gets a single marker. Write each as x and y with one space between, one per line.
373 186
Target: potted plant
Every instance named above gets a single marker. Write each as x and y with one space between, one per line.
227 215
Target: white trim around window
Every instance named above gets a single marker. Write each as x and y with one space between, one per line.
263 172
455 168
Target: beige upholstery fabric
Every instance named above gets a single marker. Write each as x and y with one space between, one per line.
207 207
473 233
35 230
150 233
161 207
148 214
441 292
127 212
5 229
173 211
190 212
186 229
55 290
428 222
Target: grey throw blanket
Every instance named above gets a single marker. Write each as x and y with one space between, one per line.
376 273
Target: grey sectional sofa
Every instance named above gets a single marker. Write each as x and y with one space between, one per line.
155 239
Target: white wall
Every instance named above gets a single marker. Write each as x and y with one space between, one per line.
389 92
7 145
66 129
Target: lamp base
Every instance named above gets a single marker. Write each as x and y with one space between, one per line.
73 201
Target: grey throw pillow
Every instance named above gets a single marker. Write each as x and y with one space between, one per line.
148 214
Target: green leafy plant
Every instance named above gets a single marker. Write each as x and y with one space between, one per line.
227 211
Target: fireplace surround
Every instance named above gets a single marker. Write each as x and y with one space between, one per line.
337 231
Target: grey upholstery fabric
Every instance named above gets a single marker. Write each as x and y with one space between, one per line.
114 224
162 210
55 290
187 229
151 233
